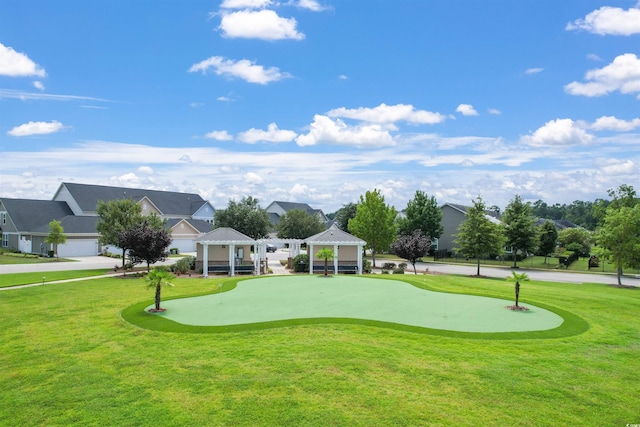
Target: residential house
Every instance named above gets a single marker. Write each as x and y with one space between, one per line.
452 216
25 222
277 209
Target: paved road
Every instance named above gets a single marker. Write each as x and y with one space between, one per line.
543 275
98 262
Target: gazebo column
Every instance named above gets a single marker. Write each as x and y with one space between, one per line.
310 252
205 260
257 256
335 259
232 260
359 259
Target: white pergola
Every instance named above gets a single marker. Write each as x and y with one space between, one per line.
223 237
336 238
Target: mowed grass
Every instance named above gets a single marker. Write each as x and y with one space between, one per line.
68 358
16 279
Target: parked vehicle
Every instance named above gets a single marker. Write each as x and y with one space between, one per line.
271 248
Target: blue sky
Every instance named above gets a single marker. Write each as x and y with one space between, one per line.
319 101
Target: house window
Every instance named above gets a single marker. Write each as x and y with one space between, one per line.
434 244
5 240
3 217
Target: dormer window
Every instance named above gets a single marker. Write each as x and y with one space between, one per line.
144 206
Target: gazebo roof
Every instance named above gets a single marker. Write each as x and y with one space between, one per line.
225 236
334 236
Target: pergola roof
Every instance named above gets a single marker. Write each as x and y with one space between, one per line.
334 236
225 236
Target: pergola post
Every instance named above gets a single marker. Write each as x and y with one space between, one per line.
232 260
205 260
335 259
310 251
359 259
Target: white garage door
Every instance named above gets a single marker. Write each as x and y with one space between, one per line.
183 245
79 247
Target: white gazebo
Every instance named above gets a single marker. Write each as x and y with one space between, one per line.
347 250
225 250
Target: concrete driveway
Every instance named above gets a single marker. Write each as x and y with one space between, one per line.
79 263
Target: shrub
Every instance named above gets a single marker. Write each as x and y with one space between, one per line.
567 258
398 271
366 266
388 265
301 263
184 265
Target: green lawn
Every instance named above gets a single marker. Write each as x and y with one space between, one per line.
15 279
68 358
8 259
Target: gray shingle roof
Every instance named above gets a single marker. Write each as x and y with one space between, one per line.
28 215
225 235
72 224
334 236
168 202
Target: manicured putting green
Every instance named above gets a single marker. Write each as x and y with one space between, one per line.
304 297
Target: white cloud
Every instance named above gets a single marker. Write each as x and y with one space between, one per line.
299 190
36 128
343 77
609 21
262 24
272 134
17 94
38 85
145 170
219 135
324 129
243 69
16 64
388 114
252 178
560 132
593 57
312 5
613 123
533 70
494 111
622 74
245 4
614 167
224 99
466 110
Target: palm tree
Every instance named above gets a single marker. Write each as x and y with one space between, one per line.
517 278
326 254
157 278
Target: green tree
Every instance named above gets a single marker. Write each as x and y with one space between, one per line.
157 279
517 278
412 247
344 214
548 239
117 216
245 216
619 237
520 228
298 224
327 255
146 243
374 222
424 214
576 240
478 235
56 236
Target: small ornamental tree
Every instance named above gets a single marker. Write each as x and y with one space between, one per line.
374 223
327 255
548 238
116 216
157 279
520 228
424 214
412 247
146 243
56 236
517 278
478 236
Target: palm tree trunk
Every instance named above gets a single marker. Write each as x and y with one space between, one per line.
158 288
517 292
325 267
